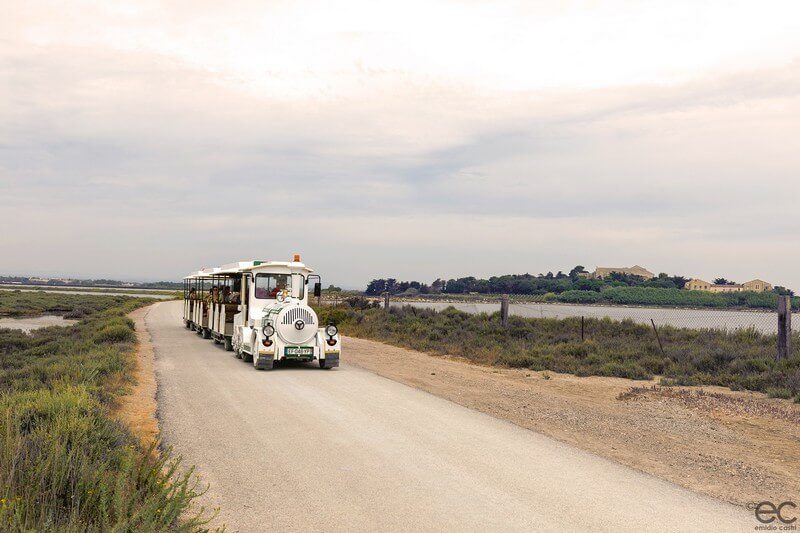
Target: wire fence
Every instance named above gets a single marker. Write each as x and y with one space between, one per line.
765 322
760 320
723 325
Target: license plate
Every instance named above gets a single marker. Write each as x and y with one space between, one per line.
299 351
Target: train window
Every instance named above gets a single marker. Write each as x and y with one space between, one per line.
269 285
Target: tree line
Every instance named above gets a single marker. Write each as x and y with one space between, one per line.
575 280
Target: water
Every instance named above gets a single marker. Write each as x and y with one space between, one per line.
762 321
28 324
94 293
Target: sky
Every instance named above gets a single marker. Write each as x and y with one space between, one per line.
416 140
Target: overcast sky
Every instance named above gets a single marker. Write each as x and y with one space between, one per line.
414 139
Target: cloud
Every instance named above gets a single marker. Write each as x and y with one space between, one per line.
125 152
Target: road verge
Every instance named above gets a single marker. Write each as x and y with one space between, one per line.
138 409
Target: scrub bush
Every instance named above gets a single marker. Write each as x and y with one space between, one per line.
65 464
665 297
115 333
742 359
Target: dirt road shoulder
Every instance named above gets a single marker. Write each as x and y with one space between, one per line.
137 410
735 446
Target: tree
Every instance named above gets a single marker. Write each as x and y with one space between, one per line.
574 273
723 281
376 287
783 291
679 281
438 285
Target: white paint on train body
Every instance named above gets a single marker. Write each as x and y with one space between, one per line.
260 311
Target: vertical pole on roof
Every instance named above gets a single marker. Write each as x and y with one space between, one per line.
504 310
784 327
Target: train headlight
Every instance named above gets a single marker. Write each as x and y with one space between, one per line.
268 330
331 331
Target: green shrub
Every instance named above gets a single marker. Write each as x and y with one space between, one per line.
742 359
65 465
779 392
623 370
582 297
114 333
672 297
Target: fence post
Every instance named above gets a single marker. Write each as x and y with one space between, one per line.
784 327
386 300
658 337
504 310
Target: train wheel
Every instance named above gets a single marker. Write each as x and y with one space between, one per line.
248 357
264 363
237 349
329 362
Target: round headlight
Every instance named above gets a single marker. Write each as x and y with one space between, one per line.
268 330
331 331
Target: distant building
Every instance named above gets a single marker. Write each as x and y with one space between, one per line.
755 285
635 270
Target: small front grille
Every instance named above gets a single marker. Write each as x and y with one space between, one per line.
298 313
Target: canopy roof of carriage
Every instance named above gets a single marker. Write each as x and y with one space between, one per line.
239 267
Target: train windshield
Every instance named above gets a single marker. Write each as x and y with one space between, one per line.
269 285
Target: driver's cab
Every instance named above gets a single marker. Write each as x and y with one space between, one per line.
267 283
278 285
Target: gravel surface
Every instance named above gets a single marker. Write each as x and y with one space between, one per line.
740 447
305 449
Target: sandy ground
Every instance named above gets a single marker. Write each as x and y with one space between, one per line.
736 446
137 410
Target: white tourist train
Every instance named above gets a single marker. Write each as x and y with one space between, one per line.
260 311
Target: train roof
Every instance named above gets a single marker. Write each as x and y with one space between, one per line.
248 266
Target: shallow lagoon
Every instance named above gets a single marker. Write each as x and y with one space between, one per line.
28 324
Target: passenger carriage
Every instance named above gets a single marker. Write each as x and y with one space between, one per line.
259 310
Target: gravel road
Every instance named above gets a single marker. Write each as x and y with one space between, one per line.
305 449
